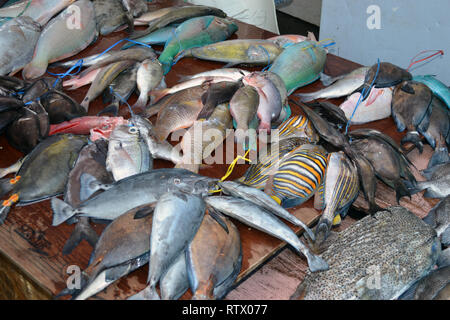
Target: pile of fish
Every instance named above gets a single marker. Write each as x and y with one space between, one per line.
179 222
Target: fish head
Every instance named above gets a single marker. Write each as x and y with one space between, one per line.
125 133
193 184
228 26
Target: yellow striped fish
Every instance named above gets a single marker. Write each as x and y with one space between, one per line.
257 174
298 126
341 187
300 174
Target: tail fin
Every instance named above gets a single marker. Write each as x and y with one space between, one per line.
326 79
5 187
316 263
149 293
306 97
401 190
4 210
141 103
158 94
440 156
61 211
113 108
414 138
83 230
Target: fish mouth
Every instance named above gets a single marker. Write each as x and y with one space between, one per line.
322 232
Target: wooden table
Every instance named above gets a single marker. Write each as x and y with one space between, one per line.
31 263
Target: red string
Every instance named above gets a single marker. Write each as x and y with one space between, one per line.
421 60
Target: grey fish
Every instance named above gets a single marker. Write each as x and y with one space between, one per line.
137 190
439 219
175 282
261 219
429 287
263 200
136 7
103 79
343 86
18 40
40 87
91 160
437 185
243 108
128 153
149 76
44 172
388 75
176 219
122 248
158 149
61 107
213 257
365 259
110 15
60 39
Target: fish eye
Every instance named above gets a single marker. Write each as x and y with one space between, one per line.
176 181
132 130
106 126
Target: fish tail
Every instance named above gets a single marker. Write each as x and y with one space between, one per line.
440 156
113 108
306 97
85 103
83 230
4 210
326 79
322 230
414 138
401 190
316 263
61 211
158 95
5 187
141 103
149 293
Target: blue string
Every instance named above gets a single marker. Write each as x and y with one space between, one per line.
363 94
268 58
122 99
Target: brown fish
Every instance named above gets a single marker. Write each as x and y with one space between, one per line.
388 75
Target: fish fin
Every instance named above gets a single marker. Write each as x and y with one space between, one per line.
5 187
74 292
144 212
300 292
316 263
445 237
83 230
141 103
440 156
33 70
431 194
401 190
4 210
326 79
162 84
130 22
61 211
116 273
306 97
113 108
158 94
414 138
337 220
148 293
230 65
322 230
406 87
428 172
410 187
219 218
89 185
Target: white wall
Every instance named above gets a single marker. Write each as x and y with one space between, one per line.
407 27
307 10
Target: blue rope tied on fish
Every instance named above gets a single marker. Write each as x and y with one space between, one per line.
122 99
362 97
268 58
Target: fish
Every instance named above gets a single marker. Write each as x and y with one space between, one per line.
18 39
388 165
149 16
444 258
149 76
268 161
29 129
158 149
104 79
161 93
259 198
139 189
367 180
10 116
341 187
439 219
410 110
9 84
270 103
164 17
176 220
438 132
232 73
60 39
437 87
299 64
287 39
243 107
39 11
437 184
44 172
84 125
136 7
12 168
61 107
298 176
194 32
376 107
120 90
429 287
261 219
39 88
137 54
128 153
298 126
110 15
179 111
213 131
236 52
213 257
382 244
387 75
78 82
158 37
330 112
10 109
343 86
122 247
175 282
218 93
91 160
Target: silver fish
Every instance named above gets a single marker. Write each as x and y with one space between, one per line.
149 76
438 184
175 282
